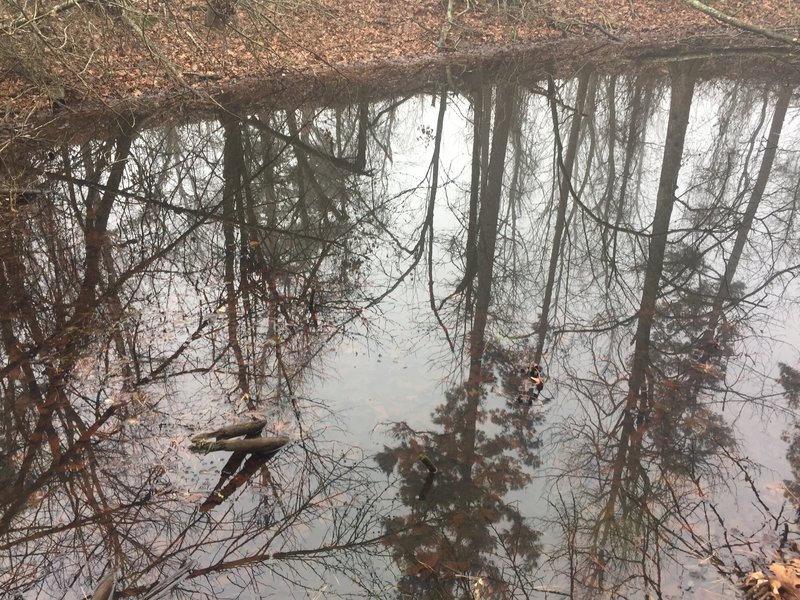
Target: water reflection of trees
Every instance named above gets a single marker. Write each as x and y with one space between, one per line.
462 535
640 288
600 228
213 261
656 442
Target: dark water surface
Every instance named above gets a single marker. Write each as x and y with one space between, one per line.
374 279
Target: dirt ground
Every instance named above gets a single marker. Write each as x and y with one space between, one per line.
85 56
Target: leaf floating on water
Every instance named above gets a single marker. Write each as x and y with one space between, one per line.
776 486
788 577
784 584
280 426
192 498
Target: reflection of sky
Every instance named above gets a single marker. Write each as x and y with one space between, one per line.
392 374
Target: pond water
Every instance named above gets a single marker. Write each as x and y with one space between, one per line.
374 280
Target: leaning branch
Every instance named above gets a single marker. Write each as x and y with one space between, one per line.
739 24
24 20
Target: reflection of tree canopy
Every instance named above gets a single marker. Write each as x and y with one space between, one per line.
605 251
655 438
465 527
462 534
638 259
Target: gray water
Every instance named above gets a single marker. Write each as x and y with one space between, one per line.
374 279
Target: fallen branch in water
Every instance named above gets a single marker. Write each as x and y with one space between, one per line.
246 445
248 428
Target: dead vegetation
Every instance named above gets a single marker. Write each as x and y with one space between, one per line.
61 54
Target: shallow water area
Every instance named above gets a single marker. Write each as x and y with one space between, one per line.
373 277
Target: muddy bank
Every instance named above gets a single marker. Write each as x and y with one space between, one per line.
718 55
76 56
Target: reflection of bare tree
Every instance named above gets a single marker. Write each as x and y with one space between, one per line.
641 98
653 439
627 490
64 344
174 278
566 163
743 230
100 340
659 444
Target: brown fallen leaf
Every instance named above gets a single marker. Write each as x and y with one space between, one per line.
788 578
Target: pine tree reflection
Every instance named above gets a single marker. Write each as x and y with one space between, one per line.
461 535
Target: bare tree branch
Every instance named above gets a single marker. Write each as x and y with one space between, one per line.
739 24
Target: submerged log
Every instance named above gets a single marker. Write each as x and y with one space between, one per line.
248 428
105 589
254 445
251 467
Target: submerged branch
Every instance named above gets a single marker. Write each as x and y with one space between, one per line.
261 445
229 431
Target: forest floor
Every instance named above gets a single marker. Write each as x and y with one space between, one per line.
83 56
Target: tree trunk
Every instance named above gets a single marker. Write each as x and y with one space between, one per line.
233 165
746 225
566 163
478 132
680 105
487 219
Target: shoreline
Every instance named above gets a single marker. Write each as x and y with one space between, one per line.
78 55
340 84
